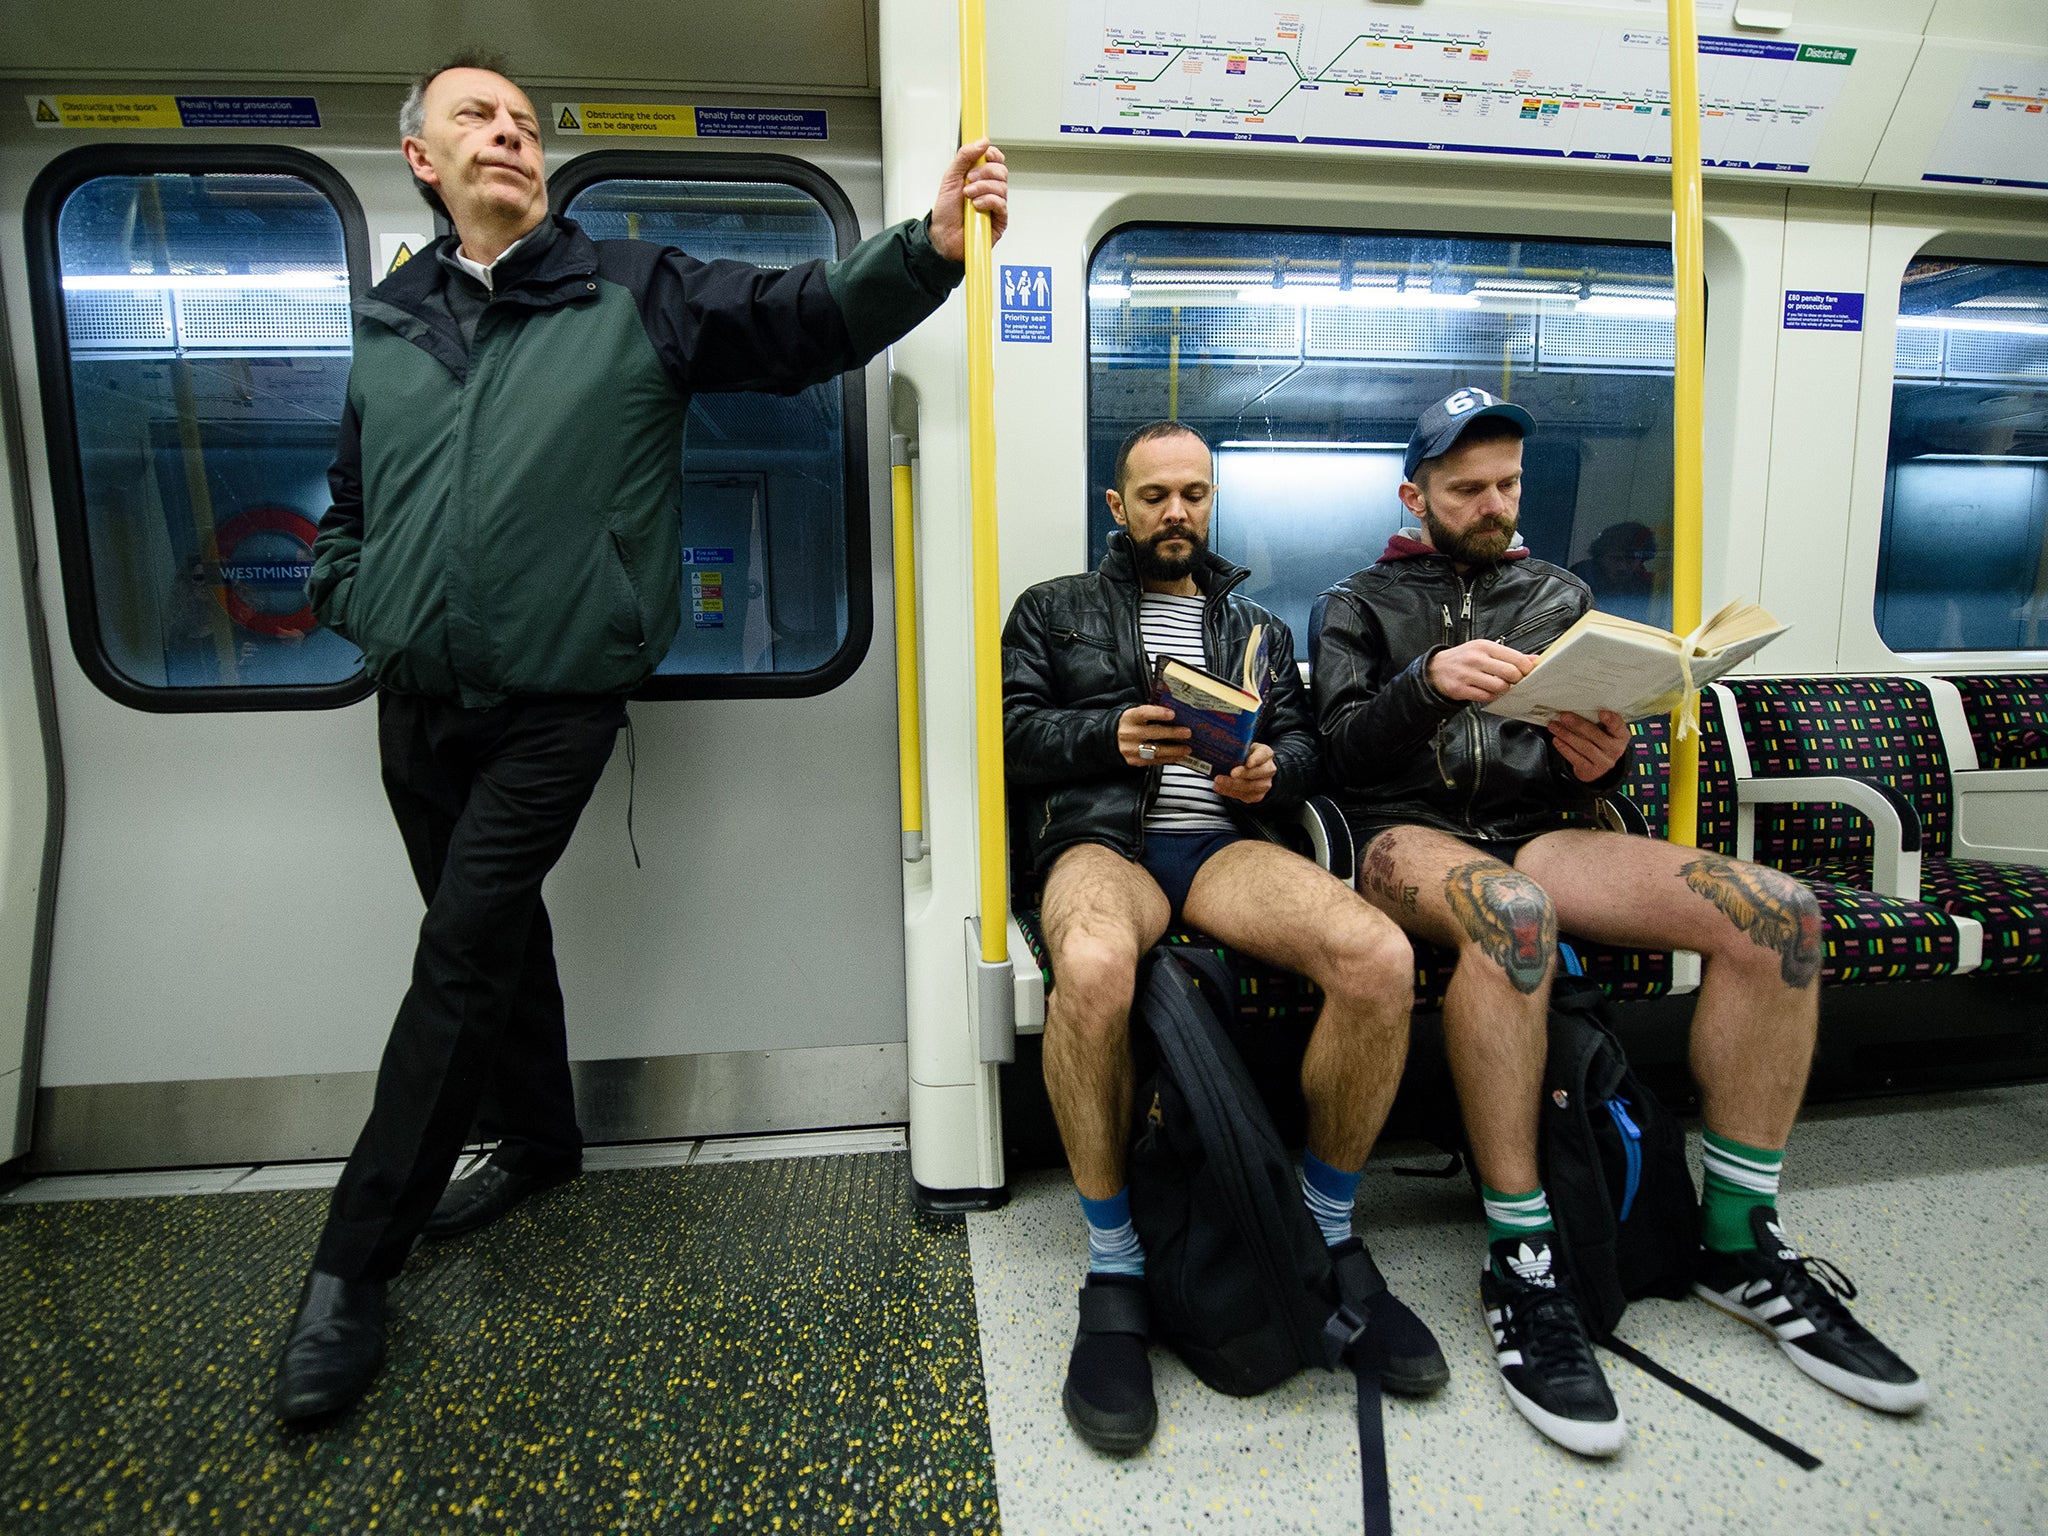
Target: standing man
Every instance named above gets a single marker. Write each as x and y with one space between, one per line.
1461 821
504 546
1130 839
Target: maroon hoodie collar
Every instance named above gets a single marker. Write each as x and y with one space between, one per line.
1404 546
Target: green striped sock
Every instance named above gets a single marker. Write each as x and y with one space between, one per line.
1739 1179
1515 1215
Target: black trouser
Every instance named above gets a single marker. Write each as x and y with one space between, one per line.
485 800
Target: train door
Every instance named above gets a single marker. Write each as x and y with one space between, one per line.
231 919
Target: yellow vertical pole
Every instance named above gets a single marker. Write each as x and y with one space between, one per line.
981 456
909 723
1688 433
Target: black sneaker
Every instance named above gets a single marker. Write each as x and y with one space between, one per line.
1797 1300
1411 1363
1546 1362
1108 1396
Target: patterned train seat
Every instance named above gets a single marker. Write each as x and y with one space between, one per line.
1881 730
2008 718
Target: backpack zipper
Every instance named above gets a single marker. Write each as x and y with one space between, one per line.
1631 1152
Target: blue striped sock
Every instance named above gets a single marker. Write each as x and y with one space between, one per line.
1330 1194
1113 1247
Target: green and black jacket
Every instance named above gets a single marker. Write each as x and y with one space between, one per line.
509 474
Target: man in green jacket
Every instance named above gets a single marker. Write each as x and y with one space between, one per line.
505 548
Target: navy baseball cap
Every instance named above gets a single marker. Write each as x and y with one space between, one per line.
1439 427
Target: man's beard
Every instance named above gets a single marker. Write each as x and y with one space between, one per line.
1153 566
1482 544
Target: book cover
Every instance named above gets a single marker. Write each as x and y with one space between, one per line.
1221 717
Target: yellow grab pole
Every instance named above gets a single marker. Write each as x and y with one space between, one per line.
1688 433
981 458
909 724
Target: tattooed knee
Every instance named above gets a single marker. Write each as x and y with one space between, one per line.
1507 917
1776 912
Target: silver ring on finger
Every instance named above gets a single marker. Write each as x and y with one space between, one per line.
1147 751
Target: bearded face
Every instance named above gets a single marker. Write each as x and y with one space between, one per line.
1169 553
1484 542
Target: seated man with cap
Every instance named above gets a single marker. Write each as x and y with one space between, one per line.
1129 841
1472 834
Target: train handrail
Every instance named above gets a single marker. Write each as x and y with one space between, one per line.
1688 431
909 714
993 834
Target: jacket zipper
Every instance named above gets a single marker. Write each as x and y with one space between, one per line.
1538 622
1472 716
1075 637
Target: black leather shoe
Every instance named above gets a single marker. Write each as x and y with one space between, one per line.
487 1194
336 1345
1411 1362
1108 1395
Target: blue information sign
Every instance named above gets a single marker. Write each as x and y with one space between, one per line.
760 123
249 111
1823 311
1026 303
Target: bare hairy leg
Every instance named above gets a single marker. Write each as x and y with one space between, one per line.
1757 931
1505 932
1101 912
1274 904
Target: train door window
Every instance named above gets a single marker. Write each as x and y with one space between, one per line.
1963 556
775 592
193 321
1306 357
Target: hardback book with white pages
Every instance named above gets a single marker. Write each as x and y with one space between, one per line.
1612 663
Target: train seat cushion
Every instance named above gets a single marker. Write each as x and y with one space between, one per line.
1871 938
2010 900
1879 729
2008 717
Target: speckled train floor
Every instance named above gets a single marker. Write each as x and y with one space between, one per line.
1936 1207
749 1346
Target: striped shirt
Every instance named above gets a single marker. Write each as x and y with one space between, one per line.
1187 802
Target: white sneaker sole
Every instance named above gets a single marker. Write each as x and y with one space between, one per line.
1884 1396
1588 1439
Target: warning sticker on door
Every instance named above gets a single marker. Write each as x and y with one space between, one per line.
63 110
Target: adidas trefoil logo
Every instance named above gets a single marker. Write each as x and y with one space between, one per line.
1533 1265
1784 1243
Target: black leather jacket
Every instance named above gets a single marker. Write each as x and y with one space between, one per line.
1396 749
1074 661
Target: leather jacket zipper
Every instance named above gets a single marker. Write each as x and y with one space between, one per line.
1472 718
1529 625
1075 637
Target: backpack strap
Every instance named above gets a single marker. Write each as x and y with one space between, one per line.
1345 1337
1800 1457
1115 1309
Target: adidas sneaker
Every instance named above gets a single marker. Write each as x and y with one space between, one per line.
1546 1362
1798 1301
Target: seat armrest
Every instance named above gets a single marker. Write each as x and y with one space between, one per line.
1895 824
1329 837
1619 814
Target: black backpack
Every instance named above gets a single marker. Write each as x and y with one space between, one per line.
1241 1284
1239 1279
1613 1164
1621 1192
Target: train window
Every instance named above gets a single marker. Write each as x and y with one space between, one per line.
1963 558
1306 357
193 319
776 595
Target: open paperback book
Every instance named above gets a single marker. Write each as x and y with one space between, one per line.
1222 716
1606 662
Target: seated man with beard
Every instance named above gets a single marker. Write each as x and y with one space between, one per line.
1461 821
1129 840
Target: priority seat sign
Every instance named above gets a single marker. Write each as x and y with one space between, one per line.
1025 303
